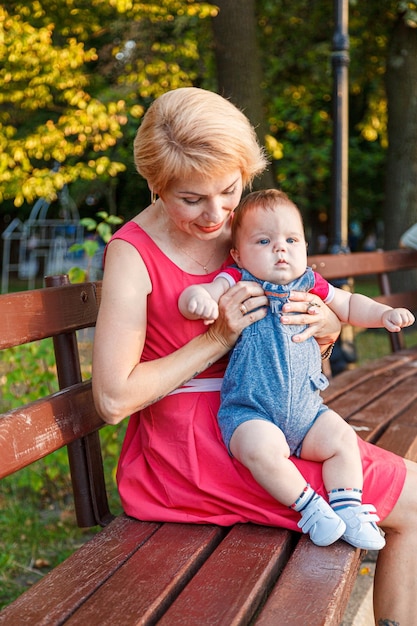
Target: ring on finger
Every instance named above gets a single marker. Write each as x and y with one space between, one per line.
243 309
313 305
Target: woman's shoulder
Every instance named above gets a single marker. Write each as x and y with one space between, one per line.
137 236
132 232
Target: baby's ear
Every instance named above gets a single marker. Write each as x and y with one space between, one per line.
235 256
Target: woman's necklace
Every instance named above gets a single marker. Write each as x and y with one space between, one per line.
203 265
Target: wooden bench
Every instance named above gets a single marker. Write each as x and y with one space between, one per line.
380 263
135 572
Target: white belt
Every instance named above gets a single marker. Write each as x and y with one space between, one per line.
199 384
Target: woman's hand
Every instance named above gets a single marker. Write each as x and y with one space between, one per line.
239 307
322 323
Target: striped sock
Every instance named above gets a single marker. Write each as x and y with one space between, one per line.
304 498
342 498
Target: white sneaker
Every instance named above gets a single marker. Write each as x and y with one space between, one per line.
321 522
361 529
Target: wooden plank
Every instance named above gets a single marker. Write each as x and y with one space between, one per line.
140 591
31 432
232 584
387 409
333 266
54 598
401 436
345 382
315 586
32 315
364 393
405 299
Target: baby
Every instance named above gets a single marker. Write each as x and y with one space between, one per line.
271 406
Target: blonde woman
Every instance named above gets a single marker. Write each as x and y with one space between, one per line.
198 152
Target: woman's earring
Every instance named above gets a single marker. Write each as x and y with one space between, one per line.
153 197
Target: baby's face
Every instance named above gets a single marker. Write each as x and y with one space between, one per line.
271 244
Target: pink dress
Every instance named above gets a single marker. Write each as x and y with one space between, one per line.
173 464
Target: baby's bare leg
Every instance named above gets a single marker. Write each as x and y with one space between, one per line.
262 448
334 443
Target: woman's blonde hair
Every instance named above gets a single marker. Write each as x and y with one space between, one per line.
191 131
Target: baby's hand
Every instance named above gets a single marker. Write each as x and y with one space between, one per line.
203 307
395 319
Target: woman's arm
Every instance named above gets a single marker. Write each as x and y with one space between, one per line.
123 385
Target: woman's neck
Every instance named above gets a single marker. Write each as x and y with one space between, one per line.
193 255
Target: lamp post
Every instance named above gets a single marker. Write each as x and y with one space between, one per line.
340 63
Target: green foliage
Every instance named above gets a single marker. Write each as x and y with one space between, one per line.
296 40
75 79
298 83
48 113
102 231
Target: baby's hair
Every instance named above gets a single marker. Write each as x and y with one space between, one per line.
194 132
267 200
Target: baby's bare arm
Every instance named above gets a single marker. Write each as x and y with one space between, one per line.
201 301
359 310
395 319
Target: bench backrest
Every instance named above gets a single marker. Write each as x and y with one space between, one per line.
67 417
380 263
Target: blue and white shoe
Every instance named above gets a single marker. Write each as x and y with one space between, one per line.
320 521
361 529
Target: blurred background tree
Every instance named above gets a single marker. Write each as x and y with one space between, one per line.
76 77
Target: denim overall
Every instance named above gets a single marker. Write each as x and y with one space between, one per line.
270 377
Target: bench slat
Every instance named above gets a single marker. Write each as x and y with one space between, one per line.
140 591
343 384
315 586
373 420
405 299
56 596
32 315
401 436
363 394
41 427
231 585
334 266
380 263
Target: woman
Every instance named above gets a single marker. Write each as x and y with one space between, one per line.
197 153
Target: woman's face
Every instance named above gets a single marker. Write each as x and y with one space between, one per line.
202 207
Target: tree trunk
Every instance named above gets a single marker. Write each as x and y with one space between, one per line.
239 70
400 207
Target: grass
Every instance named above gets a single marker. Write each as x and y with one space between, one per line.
37 523
373 344
34 538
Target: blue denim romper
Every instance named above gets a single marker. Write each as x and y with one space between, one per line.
270 377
